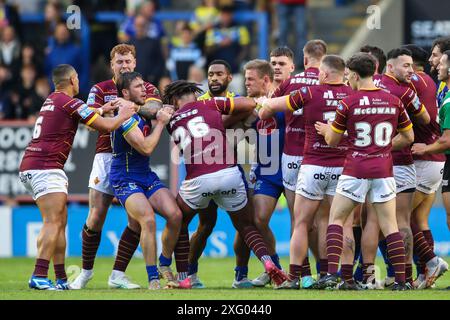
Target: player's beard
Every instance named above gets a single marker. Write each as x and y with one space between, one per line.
217 92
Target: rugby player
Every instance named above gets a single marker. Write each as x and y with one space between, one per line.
321 165
41 169
192 126
292 156
442 145
370 117
219 79
137 187
429 168
123 59
396 81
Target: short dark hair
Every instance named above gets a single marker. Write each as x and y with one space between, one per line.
335 62
443 43
124 81
419 55
61 74
282 52
179 88
378 53
315 48
397 52
363 64
222 62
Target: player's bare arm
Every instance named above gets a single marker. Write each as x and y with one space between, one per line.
423 117
441 145
111 124
146 145
270 106
149 110
331 136
403 139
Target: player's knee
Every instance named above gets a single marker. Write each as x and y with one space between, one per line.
261 221
148 224
176 217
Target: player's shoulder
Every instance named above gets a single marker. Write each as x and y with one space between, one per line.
149 86
104 86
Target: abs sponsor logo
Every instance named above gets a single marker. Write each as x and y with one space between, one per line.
294 165
326 176
24 177
219 192
364 101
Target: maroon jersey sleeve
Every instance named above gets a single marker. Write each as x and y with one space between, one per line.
95 97
281 89
152 93
404 123
298 98
222 104
412 102
78 110
339 124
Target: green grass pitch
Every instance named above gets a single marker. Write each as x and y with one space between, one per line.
216 274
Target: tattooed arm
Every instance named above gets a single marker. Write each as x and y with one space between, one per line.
149 110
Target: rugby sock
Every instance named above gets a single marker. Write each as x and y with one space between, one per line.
420 266
408 272
306 268
255 242
359 269
421 246
181 251
323 268
294 272
429 237
193 268
128 244
347 273
91 242
240 273
390 272
164 262
276 260
357 233
41 268
396 254
152 273
334 247
60 272
368 273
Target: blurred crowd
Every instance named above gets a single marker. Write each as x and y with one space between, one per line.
29 50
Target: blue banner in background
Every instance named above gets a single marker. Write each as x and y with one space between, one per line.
26 223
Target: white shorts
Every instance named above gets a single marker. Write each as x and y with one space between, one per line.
316 181
377 190
405 177
99 178
428 175
290 166
42 182
225 187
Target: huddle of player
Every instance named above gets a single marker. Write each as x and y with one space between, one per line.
342 129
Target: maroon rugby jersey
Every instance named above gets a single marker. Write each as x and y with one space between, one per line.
319 104
412 105
106 91
54 131
197 128
377 79
425 88
294 138
371 118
